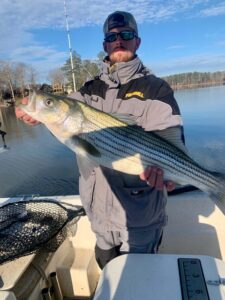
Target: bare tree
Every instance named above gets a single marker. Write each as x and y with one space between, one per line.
20 77
31 76
7 76
57 79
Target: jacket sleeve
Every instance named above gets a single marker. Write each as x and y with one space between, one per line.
157 111
91 90
77 96
161 111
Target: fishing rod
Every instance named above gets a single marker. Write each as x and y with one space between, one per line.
70 48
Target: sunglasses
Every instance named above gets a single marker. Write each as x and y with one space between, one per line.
125 35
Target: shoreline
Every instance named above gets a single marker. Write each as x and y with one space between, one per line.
187 86
5 103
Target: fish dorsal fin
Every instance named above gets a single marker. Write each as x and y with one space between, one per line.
128 119
173 136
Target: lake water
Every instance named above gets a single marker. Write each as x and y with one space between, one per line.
38 164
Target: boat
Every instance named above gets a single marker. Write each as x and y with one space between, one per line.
7 103
190 263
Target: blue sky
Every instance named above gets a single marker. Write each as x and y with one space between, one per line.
177 36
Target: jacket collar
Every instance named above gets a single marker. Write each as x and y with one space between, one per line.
122 72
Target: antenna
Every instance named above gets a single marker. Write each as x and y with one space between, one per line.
70 48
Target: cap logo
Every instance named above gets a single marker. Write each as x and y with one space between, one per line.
116 20
120 19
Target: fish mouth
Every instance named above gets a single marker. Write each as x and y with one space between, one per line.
31 105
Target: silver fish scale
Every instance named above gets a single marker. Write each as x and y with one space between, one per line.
120 142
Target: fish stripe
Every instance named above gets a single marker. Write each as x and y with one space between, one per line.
113 139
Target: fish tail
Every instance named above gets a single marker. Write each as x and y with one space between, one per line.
217 194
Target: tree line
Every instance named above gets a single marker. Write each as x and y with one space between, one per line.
195 79
16 78
83 70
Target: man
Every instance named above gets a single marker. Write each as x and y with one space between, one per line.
127 212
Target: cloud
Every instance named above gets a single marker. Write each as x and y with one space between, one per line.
42 59
214 11
205 62
50 13
221 43
19 18
20 21
175 47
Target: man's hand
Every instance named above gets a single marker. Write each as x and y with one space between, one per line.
23 116
154 178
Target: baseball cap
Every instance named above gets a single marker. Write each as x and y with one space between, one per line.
120 19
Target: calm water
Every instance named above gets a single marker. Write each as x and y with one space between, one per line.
38 164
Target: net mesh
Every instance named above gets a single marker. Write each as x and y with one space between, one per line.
29 226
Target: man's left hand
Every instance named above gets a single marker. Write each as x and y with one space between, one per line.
154 178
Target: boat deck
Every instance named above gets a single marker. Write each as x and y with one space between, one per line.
195 227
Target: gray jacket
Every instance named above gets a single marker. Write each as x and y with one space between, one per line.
114 200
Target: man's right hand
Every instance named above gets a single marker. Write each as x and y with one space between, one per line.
20 114
154 178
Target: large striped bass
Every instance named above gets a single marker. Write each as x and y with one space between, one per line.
102 139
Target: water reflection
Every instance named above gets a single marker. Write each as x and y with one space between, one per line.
36 163
203 104
203 112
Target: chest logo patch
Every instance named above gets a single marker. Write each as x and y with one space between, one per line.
135 93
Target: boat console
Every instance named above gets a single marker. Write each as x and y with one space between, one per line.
161 277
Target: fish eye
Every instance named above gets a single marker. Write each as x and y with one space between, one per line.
49 102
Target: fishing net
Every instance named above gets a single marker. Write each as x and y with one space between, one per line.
32 225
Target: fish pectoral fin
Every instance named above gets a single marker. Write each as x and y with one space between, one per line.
84 148
85 165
